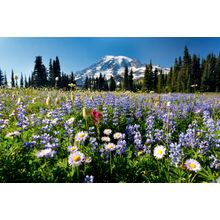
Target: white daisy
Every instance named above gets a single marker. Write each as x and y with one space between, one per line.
81 136
76 158
159 151
106 139
107 131
72 148
117 135
110 147
193 165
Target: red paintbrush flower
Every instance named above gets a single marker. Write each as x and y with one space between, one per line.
96 116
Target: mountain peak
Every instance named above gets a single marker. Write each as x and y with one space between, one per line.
110 65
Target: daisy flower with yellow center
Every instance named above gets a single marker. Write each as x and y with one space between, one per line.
81 136
106 139
159 151
72 148
107 131
117 135
76 158
110 147
192 165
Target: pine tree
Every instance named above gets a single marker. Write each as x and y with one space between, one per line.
57 72
1 78
186 71
25 82
39 74
130 81
126 80
51 77
217 74
169 80
147 79
12 79
154 79
5 80
159 83
212 80
106 86
208 75
196 73
112 85
21 81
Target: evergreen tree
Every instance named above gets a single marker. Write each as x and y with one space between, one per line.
29 81
51 78
196 73
169 80
12 79
21 81
25 82
105 87
159 83
217 74
39 74
147 79
186 71
208 75
126 79
5 80
155 79
57 72
112 85
212 81
1 78
130 81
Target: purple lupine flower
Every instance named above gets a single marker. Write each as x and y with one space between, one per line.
21 117
67 108
115 116
48 153
121 147
93 143
88 103
215 162
138 113
190 138
30 144
175 154
149 129
91 131
78 103
105 114
138 142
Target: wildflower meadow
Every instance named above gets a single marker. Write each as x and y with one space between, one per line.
108 137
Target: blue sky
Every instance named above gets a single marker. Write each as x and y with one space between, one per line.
78 53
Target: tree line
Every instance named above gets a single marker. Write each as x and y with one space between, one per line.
99 83
188 74
41 76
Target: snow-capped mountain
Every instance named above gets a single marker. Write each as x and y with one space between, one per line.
115 66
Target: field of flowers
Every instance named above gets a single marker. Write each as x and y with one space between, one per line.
57 136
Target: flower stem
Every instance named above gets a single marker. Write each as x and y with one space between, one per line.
77 173
110 163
